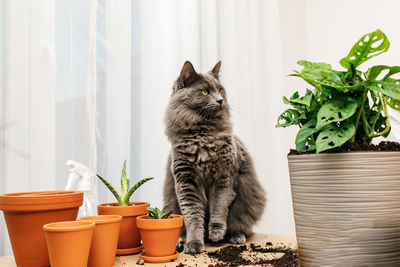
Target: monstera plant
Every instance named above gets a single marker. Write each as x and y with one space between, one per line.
346 205
344 106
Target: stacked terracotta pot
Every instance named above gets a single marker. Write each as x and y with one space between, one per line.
43 231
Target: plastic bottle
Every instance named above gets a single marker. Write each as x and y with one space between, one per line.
81 178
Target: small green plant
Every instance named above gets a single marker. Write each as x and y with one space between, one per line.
344 106
126 190
155 213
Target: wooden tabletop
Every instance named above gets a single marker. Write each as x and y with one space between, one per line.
190 260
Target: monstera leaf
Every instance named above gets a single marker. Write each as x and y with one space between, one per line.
370 45
296 100
289 117
393 103
321 74
333 136
387 85
305 137
335 111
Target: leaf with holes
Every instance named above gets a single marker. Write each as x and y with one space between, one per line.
333 136
393 103
335 111
370 45
386 85
289 117
296 100
305 137
375 73
328 77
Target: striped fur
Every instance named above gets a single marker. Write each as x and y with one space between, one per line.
210 174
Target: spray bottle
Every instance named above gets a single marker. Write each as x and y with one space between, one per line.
81 178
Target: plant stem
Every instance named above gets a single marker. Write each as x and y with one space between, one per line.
387 128
359 116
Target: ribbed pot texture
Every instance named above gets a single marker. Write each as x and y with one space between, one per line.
347 208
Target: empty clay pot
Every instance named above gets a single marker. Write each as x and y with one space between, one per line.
159 237
105 239
69 242
26 213
129 236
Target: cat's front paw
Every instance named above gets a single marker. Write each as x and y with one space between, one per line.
194 247
216 234
216 231
236 238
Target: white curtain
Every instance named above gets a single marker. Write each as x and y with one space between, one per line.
90 81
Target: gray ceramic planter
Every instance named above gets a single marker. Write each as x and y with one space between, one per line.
347 208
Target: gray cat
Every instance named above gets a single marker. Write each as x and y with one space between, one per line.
210 174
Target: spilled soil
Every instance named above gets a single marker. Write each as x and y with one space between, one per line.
252 255
355 147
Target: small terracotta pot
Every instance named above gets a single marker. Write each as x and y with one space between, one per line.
129 236
69 243
26 213
159 237
105 239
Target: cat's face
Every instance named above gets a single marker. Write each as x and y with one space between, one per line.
201 94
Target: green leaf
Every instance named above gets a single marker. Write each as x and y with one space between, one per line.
333 136
314 65
124 181
166 215
296 100
289 117
370 45
393 103
305 139
382 126
128 195
112 189
335 111
373 73
386 85
167 206
327 77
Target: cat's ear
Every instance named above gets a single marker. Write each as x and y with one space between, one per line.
188 74
215 71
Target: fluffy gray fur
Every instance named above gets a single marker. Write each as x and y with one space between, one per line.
210 174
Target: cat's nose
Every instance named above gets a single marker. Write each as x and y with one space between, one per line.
220 100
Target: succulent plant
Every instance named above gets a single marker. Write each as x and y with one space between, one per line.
126 190
156 213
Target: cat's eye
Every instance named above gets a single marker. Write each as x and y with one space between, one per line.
205 91
220 90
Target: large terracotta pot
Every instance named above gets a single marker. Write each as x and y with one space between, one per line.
129 236
159 237
347 208
26 213
69 242
105 239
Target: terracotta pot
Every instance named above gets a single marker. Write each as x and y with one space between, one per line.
105 239
347 208
26 213
129 236
159 237
69 243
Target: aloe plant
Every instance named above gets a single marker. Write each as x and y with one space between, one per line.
156 213
344 106
126 190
